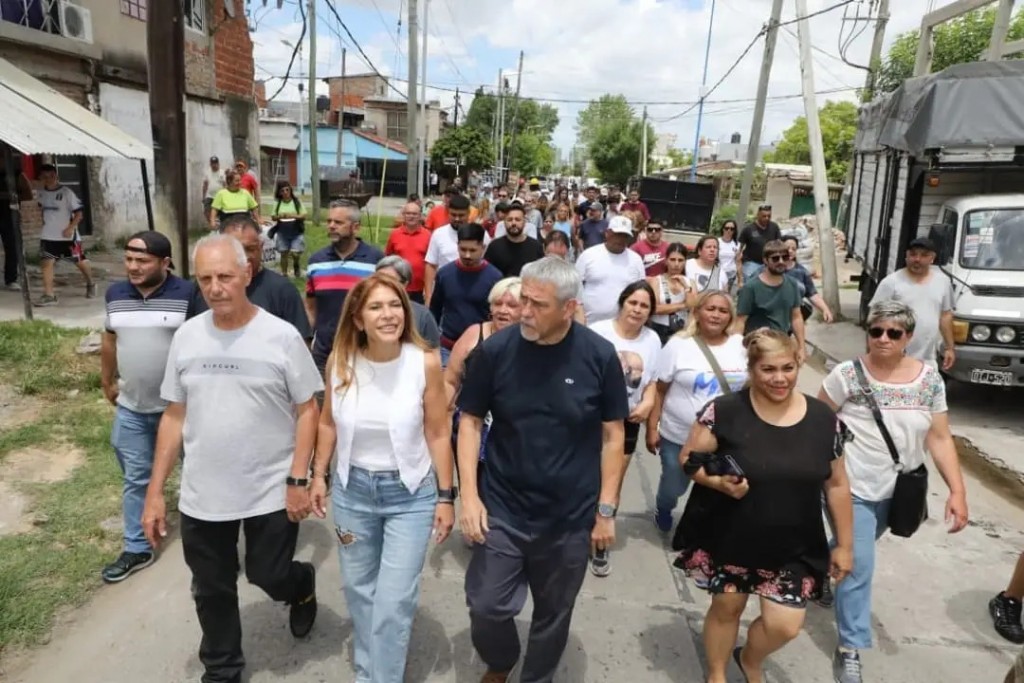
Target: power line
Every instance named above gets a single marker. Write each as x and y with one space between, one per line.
826 10
359 48
295 51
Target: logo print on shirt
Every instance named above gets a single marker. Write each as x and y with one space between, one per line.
570 380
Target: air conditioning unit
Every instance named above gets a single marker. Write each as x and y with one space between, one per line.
75 22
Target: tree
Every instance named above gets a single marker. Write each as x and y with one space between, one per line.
466 144
615 150
535 125
838 127
964 39
606 109
678 158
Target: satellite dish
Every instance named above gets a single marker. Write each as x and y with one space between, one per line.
229 8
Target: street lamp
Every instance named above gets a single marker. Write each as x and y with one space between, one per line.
301 176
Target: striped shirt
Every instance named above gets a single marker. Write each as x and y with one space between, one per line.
144 327
328 280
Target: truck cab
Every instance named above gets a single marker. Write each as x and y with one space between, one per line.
981 249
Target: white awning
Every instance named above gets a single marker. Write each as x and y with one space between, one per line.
279 135
36 119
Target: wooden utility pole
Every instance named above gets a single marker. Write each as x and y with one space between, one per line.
423 128
341 110
456 110
314 153
165 41
515 114
754 142
823 211
412 113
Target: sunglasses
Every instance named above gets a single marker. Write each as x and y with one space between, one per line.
653 228
729 228
778 258
891 333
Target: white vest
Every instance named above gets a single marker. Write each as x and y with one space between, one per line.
405 421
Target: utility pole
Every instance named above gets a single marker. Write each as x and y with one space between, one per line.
515 114
754 142
876 58
421 162
826 241
412 126
643 145
314 154
341 110
703 95
456 110
501 126
165 40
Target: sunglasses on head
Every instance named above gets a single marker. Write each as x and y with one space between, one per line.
777 258
890 332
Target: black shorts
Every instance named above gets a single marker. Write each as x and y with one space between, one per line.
61 250
632 434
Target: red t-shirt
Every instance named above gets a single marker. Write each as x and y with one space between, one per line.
653 256
639 206
437 218
412 246
250 185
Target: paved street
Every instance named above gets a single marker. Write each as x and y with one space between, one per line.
641 624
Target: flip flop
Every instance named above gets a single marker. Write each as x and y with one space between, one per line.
736 658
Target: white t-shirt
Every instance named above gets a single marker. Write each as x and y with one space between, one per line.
692 381
444 246
604 276
57 205
530 229
236 462
727 255
214 181
697 274
907 411
639 357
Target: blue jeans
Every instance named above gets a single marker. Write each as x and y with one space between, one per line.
853 594
383 531
673 482
750 270
133 437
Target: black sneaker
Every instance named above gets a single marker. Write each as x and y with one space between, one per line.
126 565
827 597
1005 613
303 612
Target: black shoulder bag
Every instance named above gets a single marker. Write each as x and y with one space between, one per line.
909 505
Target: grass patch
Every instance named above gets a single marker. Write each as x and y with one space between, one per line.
56 564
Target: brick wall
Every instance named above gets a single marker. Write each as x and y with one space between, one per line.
361 86
260 93
232 49
199 72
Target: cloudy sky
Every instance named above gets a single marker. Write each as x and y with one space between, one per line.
648 50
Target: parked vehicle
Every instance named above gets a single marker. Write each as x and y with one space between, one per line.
943 157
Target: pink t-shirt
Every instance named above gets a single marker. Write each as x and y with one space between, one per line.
653 256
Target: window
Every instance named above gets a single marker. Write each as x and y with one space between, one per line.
993 240
398 127
195 15
42 15
136 9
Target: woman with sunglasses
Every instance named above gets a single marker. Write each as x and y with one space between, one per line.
728 252
675 295
912 399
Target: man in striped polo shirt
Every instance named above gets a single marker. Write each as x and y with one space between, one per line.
143 313
332 272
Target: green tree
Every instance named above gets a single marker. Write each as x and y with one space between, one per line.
463 143
838 127
606 109
678 158
964 39
615 150
534 126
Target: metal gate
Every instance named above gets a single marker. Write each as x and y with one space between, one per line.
679 205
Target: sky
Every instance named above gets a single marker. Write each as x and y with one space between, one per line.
651 51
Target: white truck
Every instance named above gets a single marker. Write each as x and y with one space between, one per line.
943 157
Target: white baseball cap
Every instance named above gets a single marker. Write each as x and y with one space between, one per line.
621 225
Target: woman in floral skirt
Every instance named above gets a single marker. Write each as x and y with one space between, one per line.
759 530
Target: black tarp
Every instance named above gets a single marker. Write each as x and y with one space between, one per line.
967 105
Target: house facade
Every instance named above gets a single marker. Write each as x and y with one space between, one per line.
94 52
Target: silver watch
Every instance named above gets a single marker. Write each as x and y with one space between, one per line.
606 510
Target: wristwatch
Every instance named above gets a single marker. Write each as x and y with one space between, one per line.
606 510
447 495
292 481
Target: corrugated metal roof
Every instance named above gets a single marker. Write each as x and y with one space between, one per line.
279 134
36 119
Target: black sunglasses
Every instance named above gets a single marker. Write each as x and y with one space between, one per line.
777 258
890 332
729 227
653 228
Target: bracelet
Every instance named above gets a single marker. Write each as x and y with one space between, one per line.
446 502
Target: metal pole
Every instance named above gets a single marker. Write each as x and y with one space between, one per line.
754 143
515 114
826 242
703 95
643 144
421 172
341 110
314 154
501 126
412 113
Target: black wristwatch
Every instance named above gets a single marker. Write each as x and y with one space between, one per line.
292 481
447 495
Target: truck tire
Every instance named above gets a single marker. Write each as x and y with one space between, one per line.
867 290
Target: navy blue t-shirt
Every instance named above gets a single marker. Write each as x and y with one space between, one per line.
543 461
460 298
592 232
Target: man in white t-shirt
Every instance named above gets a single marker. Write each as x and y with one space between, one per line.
213 182
607 268
250 471
59 239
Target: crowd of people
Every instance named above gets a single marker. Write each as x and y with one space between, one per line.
510 362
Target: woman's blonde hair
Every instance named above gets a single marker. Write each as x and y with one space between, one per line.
350 340
484 207
508 285
692 328
765 342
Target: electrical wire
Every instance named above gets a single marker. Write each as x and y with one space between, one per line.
295 51
458 34
826 10
359 48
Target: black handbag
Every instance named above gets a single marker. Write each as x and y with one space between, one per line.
909 504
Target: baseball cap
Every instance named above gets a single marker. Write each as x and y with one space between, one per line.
156 243
621 225
595 206
922 243
214 160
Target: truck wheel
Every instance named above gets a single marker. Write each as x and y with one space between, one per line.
867 290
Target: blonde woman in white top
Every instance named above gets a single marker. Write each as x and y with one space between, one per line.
385 421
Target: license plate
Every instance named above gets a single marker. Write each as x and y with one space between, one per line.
993 377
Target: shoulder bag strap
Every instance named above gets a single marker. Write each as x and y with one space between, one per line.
666 293
714 277
869 396
713 362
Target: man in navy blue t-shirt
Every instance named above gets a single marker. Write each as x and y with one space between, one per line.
554 455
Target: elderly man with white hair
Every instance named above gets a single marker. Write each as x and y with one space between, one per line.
245 468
